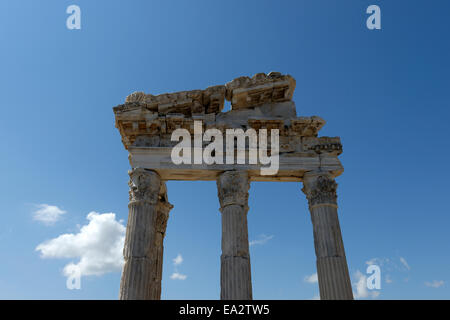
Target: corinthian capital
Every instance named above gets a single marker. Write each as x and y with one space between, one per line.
233 188
319 188
144 185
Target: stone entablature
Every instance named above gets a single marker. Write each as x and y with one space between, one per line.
146 123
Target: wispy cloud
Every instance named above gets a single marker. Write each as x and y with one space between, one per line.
405 263
360 285
178 276
47 214
434 283
98 246
379 261
178 260
311 278
262 239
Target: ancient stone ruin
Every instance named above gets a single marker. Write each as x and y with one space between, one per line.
147 123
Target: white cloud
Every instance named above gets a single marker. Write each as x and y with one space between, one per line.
435 283
178 276
312 278
405 263
47 214
262 239
316 297
378 261
178 260
98 245
361 287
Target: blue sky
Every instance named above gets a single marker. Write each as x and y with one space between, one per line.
384 92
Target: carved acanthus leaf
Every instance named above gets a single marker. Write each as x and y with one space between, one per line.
144 185
233 188
320 190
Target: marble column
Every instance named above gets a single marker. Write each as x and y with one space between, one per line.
332 271
162 217
235 272
139 254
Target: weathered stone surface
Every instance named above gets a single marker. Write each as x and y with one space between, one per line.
306 126
137 282
210 100
144 186
332 271
213 99
292 165
323 145
235 274
273 116
163 209
146 123
245 92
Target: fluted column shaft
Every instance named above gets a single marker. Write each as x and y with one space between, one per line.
332 270
235 272
162 217
139 249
